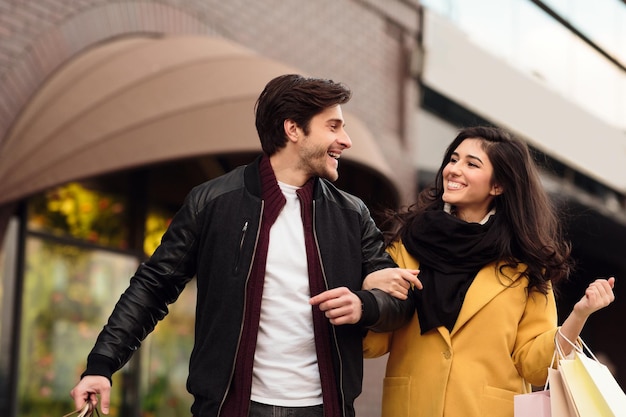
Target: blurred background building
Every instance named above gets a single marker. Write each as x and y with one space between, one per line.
110 111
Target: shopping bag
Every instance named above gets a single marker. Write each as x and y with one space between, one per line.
534 404
88 410
561 404
537 403
592 388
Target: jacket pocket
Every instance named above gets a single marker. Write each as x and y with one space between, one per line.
396 396
497 402
242 239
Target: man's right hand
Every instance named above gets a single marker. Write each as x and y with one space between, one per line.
89 388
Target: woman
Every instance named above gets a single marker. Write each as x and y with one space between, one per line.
488 246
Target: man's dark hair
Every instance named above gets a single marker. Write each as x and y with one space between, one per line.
296 98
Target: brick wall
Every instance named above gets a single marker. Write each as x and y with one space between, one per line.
363 43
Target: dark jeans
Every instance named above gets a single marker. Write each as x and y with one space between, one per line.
265 410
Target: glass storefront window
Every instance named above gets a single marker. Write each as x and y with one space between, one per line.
68 295
165 360
75 211
71 285
7 272
157 222
8 261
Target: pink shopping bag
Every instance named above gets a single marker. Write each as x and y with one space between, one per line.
534 404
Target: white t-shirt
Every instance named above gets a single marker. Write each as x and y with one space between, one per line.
285 362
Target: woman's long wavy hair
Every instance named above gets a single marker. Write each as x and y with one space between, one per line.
527 221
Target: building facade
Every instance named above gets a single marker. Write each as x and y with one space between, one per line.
110 111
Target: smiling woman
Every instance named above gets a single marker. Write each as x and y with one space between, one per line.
490 250
468 181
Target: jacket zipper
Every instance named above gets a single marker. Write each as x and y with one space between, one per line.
244 229
245 297
319 254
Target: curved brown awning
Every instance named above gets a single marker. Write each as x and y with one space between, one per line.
136 101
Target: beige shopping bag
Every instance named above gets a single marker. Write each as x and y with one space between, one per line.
88 410
593 389
561 404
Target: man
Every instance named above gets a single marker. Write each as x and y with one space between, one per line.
261 241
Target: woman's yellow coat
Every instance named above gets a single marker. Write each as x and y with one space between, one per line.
503 340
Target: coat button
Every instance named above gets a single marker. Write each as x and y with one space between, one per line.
447 354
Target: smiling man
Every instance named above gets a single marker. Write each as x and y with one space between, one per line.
280 255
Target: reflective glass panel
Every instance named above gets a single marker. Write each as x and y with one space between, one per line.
69 293
602 21
165 360
76 211
532 41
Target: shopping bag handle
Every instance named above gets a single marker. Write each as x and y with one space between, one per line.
576 346
88 410
558 352
552 363
580 346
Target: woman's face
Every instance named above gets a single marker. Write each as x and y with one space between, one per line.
467 181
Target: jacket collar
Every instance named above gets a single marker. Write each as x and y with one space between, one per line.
252 179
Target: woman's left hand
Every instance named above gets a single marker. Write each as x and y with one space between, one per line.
599 294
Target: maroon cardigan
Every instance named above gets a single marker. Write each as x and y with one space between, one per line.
238 398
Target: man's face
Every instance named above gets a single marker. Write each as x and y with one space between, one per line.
321 149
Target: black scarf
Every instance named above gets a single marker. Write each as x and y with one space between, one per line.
451 252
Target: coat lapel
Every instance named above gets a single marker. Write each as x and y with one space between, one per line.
489 282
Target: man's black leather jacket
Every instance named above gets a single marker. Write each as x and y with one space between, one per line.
213 237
